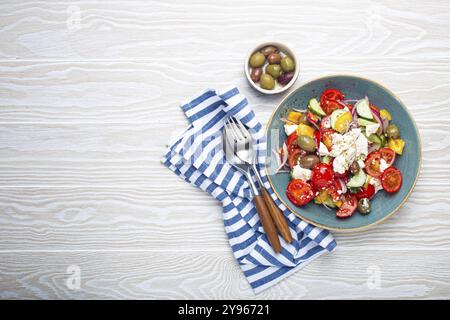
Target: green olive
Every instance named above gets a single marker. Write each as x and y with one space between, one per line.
364 206
306 143
392 131
257 60
274 70
266 81
309 161
287 64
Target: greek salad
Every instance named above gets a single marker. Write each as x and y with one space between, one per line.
340 153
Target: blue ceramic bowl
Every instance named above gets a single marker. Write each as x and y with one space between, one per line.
383 205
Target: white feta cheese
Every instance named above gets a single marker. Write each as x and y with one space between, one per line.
362 146
340 164
290 128
383 165
376 183
301 173
323 150
371 129
347 148
361 163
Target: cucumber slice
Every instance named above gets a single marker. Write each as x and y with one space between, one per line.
374 138
357 180
383 140
326 159
354 190
363 122
329 202
336 113
315 107
363 108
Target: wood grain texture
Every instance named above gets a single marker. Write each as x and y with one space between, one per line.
363 274
89 96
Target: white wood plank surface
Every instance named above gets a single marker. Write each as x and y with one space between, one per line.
89 95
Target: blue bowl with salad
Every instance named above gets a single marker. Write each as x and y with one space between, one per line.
343 153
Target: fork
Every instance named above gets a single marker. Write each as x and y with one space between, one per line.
275 212
238 149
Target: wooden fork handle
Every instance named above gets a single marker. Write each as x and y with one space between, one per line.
277 216
267 223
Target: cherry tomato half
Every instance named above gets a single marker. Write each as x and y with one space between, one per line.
391 179
367 192
372 164
291 140
293 157
299 192
388 155
333 190
348 207
329 100
322 176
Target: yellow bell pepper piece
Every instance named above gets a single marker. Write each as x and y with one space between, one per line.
303 129
338 203
294 115
385 114
342 122
397 145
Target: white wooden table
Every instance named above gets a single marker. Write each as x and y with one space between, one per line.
89 95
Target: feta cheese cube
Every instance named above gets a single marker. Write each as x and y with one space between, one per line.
371 128
383 165
323 150
376 183
301 173
290 128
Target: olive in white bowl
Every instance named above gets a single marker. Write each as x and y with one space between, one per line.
271 68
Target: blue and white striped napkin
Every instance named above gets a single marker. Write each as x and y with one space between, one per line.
197 157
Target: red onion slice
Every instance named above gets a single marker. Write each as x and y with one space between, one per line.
377 117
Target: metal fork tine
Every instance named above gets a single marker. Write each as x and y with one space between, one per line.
243 130
236 129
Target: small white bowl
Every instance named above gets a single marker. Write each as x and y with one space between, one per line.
278 87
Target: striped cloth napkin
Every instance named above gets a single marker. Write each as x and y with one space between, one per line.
197 157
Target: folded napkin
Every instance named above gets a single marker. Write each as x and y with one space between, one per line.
198 158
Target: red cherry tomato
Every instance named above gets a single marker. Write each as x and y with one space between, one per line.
388 155
329 100
367 192
299 192
333 190
391 180
317 137
322 176
372 164
291 141
348 207
293 157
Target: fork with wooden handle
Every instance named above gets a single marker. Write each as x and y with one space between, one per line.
275 212
238 149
